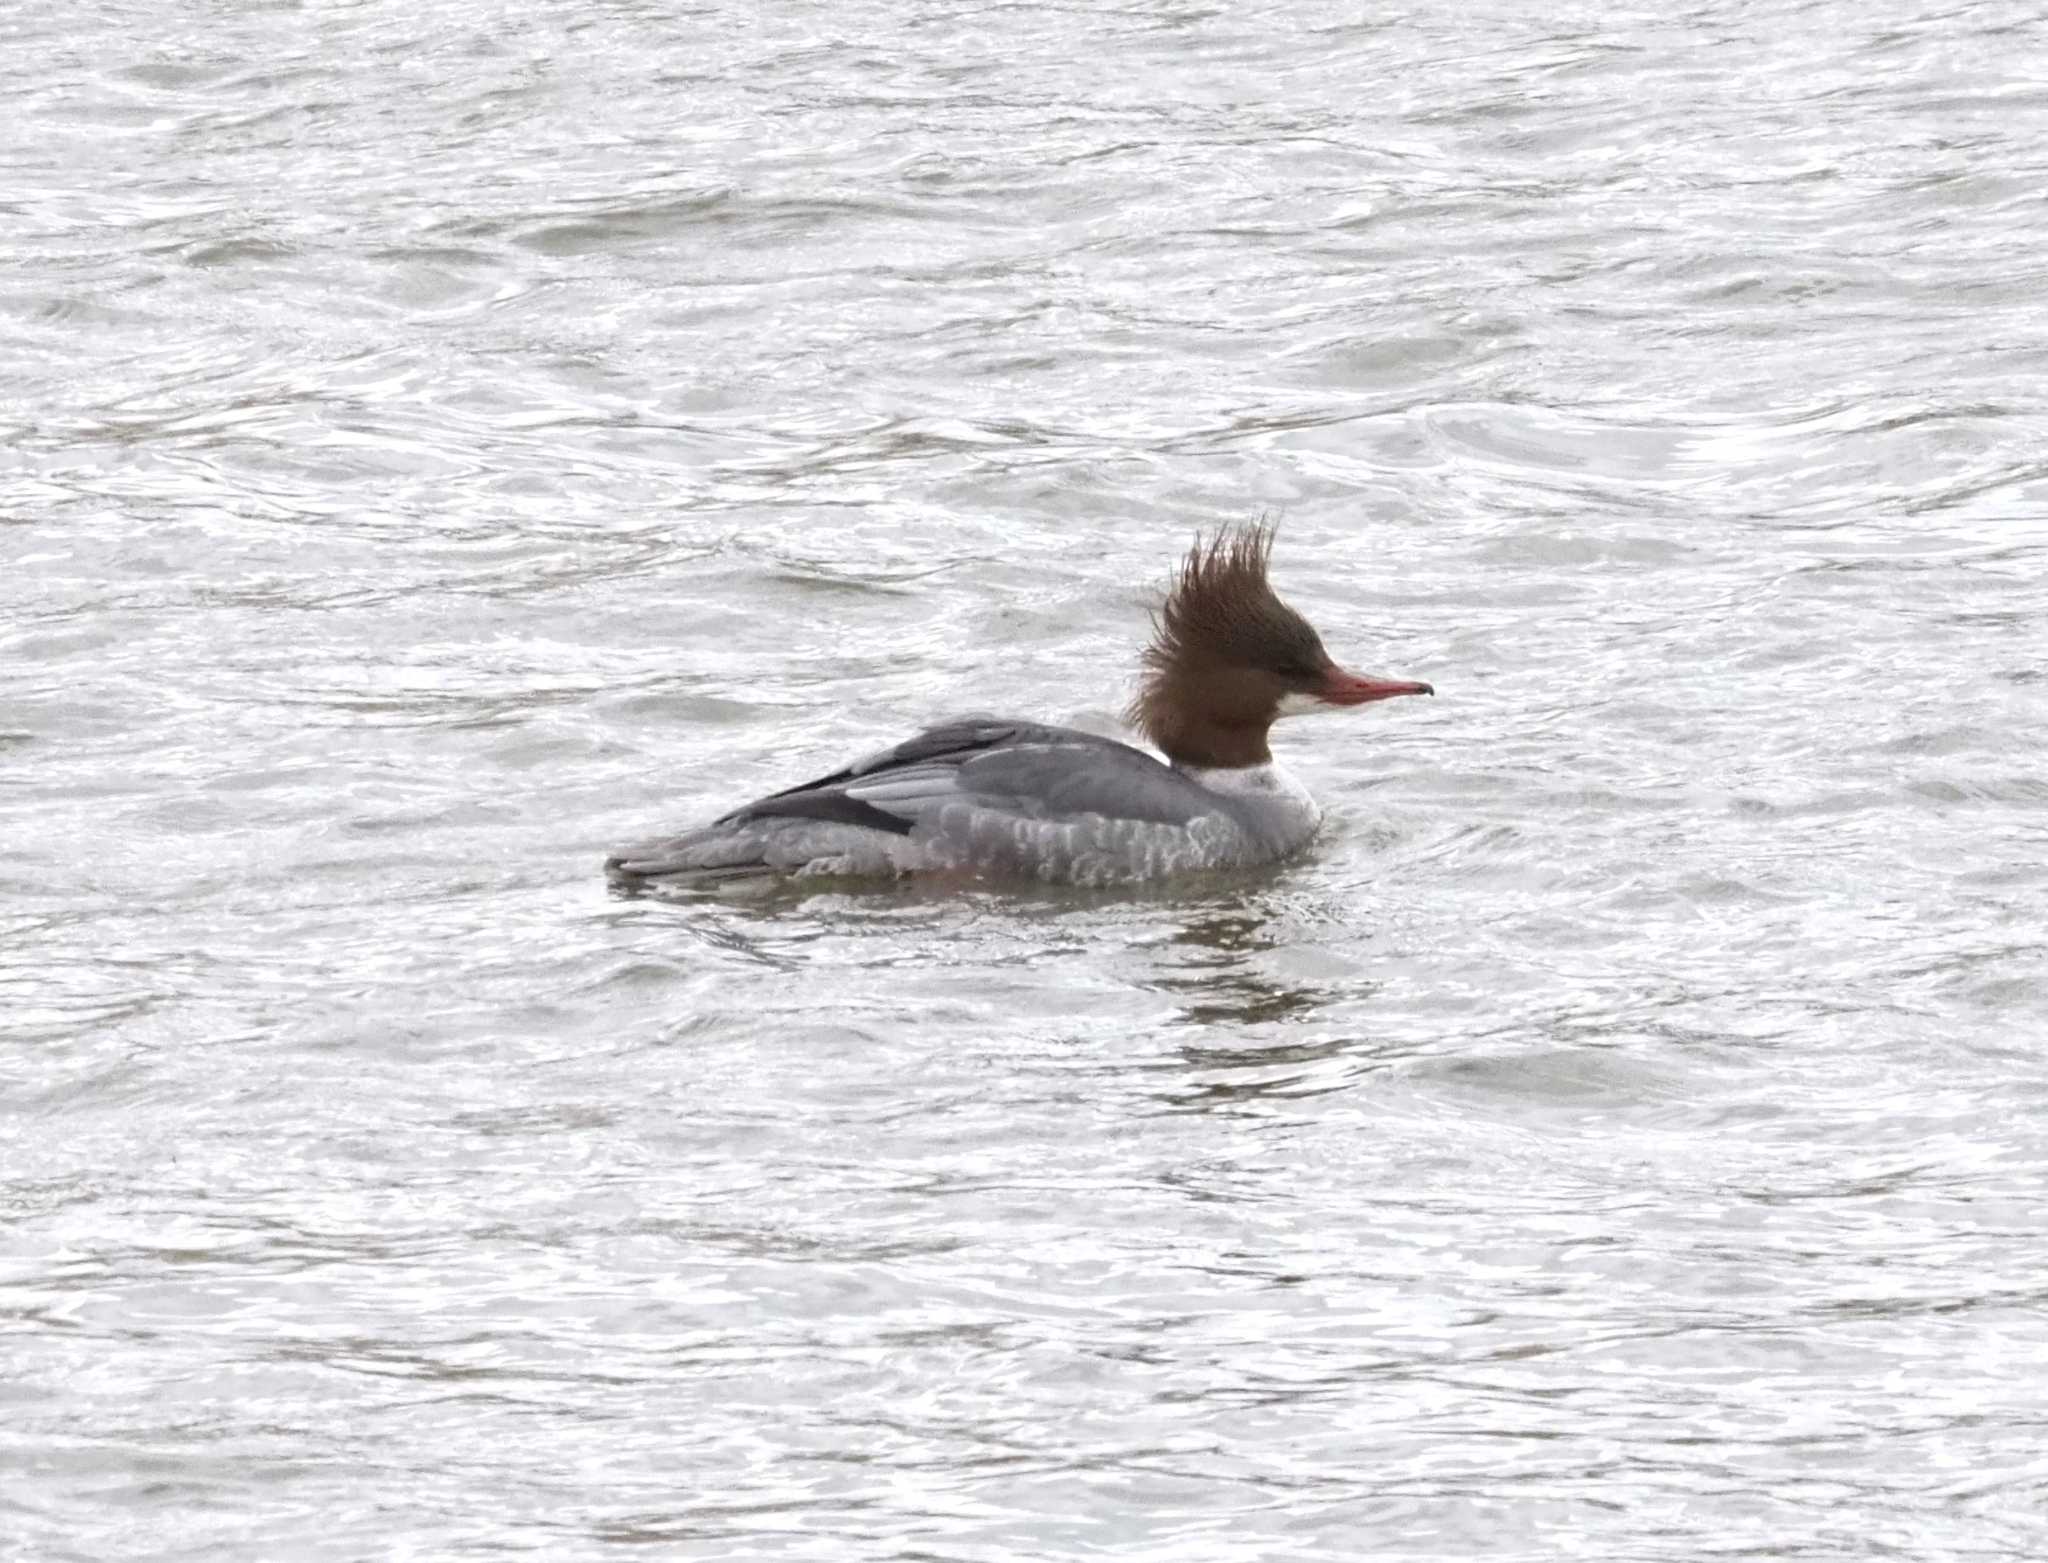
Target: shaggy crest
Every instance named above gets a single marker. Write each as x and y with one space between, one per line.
1220 616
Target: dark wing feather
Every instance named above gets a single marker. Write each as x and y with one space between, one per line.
823 797
962 737
820 803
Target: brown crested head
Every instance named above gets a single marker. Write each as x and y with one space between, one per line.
1228 658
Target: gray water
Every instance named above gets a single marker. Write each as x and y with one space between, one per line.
444 441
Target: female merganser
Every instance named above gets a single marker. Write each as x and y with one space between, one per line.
985 795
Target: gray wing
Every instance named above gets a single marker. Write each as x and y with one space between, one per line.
1049 803
1025 769
976 794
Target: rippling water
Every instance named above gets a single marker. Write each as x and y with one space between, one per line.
443 441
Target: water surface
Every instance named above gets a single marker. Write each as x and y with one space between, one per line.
443 442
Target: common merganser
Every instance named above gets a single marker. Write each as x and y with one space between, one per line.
988 796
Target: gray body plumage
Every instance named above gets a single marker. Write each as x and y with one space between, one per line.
987 796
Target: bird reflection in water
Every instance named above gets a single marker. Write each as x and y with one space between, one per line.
1230 990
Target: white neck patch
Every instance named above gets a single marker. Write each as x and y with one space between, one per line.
1270 780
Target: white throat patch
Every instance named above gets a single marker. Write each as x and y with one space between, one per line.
1295 703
